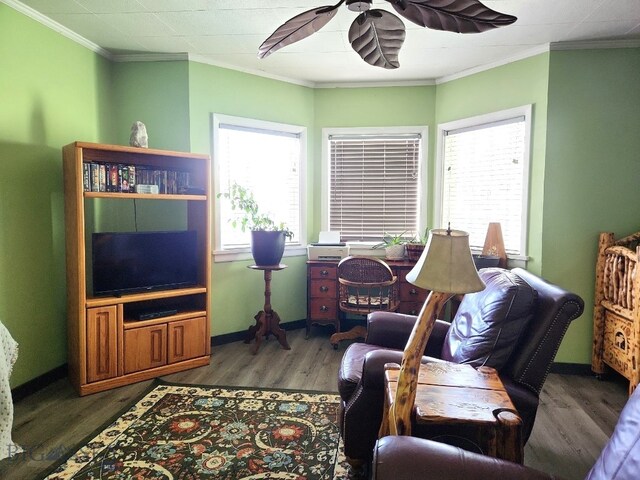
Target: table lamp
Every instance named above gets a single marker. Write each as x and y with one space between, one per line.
446 268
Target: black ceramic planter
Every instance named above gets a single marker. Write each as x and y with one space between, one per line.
486 261
267 247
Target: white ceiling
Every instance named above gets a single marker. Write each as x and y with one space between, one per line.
229 32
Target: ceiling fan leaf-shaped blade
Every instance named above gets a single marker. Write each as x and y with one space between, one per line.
297 28
377 35
460 16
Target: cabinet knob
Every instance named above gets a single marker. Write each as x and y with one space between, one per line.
324 308
413 291
324 273
413 312
324 289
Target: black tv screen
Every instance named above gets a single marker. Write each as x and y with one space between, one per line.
143 261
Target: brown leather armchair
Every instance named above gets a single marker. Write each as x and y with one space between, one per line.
410 458
515 325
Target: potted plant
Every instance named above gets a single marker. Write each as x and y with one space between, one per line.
267 237
393 245
415 246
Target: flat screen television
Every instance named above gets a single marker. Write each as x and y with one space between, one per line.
134 262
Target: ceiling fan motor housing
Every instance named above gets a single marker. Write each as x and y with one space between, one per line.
359 6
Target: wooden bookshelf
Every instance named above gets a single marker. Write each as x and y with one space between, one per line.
107 346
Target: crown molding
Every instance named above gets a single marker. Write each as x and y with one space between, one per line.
374 84
597 44
532 52
251 71
56 27
149 57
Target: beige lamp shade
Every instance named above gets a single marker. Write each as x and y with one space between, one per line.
446 264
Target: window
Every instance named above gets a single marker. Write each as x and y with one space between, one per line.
374 182
483 165
268 159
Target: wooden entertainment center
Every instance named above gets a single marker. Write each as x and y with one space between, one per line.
108 345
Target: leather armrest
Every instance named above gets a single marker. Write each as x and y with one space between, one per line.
373 367
410 458
392 330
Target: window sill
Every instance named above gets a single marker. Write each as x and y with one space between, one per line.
238 254
366 248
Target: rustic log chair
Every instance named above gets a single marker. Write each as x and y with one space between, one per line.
365 285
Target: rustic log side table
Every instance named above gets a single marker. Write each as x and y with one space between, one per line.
463 406
267 320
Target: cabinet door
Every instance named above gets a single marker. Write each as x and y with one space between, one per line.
145 347
102 343
187 339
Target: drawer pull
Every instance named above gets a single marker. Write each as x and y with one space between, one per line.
324 273
413 312
324 289
324 308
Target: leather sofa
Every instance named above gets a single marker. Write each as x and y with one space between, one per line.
411 458
514 325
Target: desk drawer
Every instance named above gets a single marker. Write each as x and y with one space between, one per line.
323 289
323 272
410 308
411 293
321 308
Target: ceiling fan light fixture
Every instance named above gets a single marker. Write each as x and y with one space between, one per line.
377 35
359 6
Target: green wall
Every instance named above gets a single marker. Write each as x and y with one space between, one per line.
52 92
592 171
157 94
370 107
512 85
237 291
584 166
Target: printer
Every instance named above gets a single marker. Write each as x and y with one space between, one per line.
328 247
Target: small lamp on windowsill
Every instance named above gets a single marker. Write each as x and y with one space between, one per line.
445 268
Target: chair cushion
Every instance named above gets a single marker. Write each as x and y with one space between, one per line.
489 323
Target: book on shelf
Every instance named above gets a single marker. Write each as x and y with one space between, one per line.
103 178
86 177
123 178
113 177
95 177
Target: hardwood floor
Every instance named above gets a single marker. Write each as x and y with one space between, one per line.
576 415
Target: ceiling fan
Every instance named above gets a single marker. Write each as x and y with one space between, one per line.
377 35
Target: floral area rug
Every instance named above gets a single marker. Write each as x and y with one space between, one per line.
184 432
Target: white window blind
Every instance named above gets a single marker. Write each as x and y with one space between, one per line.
373 185
267 162
483 175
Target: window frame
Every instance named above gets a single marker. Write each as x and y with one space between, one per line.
477 121
423 174
297 246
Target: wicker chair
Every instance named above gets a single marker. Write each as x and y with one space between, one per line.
365 285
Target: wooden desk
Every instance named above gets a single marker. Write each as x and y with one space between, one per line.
463 406
322 291
267 320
